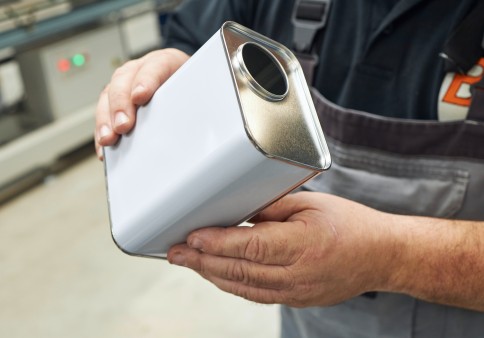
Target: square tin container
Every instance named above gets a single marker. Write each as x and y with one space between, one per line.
233 130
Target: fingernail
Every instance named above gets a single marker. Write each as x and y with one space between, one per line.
99 152
195 243
104 131
178 259
139 89
120 119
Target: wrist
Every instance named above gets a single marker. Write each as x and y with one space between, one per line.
391 248
418 265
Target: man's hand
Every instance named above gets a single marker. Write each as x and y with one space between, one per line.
316 249
306 249
132 85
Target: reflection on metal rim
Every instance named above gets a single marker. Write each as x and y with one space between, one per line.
254 84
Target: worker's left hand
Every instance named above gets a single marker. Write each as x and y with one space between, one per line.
132 85
307 249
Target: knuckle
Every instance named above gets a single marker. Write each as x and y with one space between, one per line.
118 100
291 293
200 265
118 72
156 54
118 97
255 250
293 299
242 292
125 69
290 280
237 272
257 295
303 297
241 273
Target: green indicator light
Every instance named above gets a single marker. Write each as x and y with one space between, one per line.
78 60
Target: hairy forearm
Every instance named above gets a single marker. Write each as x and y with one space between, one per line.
438 260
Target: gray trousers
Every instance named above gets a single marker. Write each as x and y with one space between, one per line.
387 315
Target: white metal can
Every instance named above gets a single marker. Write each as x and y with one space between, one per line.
233 130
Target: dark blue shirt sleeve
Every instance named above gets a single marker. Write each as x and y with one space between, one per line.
196 21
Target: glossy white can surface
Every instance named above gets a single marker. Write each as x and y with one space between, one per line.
190 162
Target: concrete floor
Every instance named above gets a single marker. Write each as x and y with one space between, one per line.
62 276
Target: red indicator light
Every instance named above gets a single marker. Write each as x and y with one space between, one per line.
63 65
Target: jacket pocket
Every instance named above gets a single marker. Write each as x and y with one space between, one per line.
396 184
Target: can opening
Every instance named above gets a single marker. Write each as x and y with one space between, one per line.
264 72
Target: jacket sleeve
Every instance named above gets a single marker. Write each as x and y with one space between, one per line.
195 21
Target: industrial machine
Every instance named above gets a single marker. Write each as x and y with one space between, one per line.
55 58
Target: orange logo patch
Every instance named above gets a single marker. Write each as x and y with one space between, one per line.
454 92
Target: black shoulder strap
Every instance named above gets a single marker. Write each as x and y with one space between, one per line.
464 47
309 18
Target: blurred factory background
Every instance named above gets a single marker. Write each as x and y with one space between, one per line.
60 273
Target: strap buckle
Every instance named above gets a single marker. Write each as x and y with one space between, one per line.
308 18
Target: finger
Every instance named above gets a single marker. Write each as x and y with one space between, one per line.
155 69
104 134
99 150
284 208
121 108
264 243
183 256
239 271
254 294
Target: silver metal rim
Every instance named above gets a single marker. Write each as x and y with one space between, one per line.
254 85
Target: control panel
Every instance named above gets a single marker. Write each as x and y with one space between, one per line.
63 77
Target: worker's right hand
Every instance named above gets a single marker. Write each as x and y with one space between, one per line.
132 85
